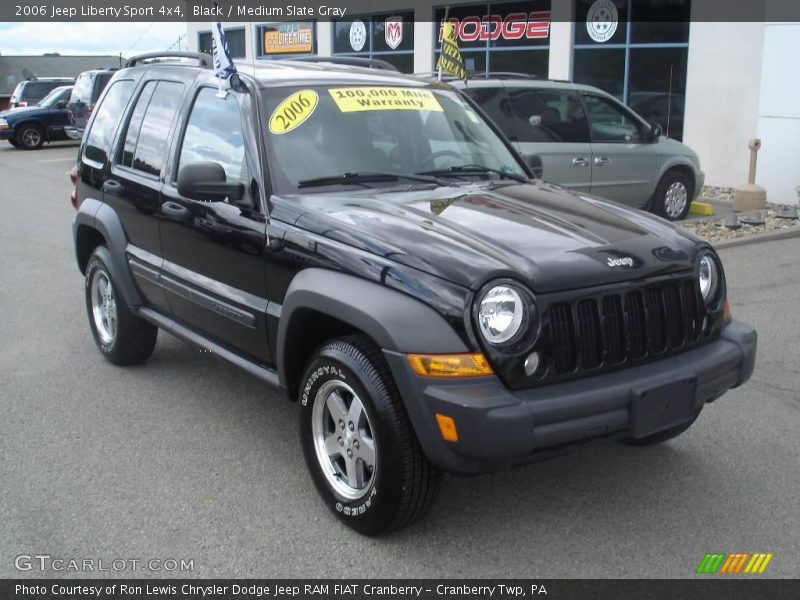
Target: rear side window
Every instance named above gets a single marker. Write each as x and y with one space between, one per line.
82 91
135 124
146 139
36 90
100 83
106 121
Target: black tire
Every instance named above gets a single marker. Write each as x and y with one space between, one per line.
133 339
403 484
675 182
13 143
662 436
30 137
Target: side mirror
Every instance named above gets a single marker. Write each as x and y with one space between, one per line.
61 105
656 132
534 161
206 182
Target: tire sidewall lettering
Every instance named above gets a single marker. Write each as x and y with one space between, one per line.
356 509
321 371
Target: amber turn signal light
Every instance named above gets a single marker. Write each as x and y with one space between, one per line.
447 427
726 311
450 365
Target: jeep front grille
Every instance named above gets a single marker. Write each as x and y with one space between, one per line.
626 326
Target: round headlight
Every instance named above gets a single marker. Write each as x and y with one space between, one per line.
501 314
708 277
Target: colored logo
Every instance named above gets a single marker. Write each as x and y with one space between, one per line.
394 32
735 563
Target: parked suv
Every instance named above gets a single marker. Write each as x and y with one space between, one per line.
30 127
88 87
371 244
32 91
584 139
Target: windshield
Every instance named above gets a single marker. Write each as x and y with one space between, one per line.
319 136
60 93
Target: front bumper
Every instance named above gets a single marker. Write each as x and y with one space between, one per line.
498 427
7 134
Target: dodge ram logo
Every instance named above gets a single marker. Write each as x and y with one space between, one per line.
626 261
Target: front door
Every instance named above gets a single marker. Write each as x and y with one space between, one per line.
624 163
214 251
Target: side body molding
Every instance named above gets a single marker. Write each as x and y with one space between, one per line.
96 215
394 320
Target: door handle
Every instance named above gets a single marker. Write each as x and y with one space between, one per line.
173 210
112 187
602 161
580 162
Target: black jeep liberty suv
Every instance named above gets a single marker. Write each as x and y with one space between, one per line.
371 243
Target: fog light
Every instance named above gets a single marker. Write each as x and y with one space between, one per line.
532 363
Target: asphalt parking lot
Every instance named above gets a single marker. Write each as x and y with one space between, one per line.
186 457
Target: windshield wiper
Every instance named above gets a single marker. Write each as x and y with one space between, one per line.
473 168
361 177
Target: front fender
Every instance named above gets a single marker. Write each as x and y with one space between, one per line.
395 321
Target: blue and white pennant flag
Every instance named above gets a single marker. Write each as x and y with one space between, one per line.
221 55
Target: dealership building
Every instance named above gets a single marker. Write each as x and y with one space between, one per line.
714 85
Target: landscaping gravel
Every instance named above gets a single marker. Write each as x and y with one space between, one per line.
714 228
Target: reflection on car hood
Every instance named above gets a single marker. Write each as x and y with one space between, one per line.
550 238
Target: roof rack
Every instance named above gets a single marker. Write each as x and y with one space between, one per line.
203 59
481 75
504 75
352 61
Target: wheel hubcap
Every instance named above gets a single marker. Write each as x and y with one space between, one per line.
343 439
676 199
104 307
31 137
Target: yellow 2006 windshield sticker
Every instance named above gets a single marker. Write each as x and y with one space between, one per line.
293 111
357 99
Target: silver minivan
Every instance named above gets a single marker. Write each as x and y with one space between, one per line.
584 139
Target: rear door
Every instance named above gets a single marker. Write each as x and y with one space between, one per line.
133 186
214 251
624 163
550 124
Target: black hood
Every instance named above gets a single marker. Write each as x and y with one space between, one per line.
550 238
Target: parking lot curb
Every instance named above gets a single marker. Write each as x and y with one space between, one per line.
755 239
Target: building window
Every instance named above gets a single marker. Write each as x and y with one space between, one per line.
500 36
235 38
636 50
278 40
388 36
